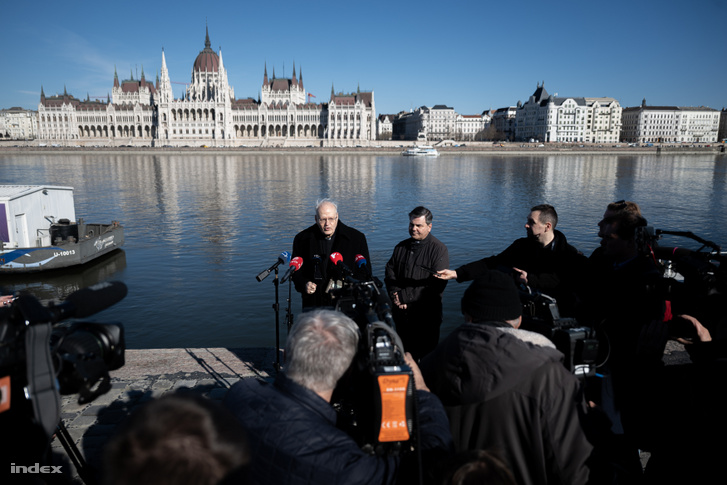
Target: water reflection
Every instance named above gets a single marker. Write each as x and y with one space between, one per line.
199 227
56 285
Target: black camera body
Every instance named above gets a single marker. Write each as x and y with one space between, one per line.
376 400
577 342
695 281
40 359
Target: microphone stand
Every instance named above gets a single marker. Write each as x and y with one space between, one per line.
289 309
276 307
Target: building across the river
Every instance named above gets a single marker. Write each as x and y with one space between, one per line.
547 118
438 123
142 113
670 124
17 124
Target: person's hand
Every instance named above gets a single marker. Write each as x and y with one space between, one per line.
522 276
446 274
310 287
397 302
5 300
418 378
702 333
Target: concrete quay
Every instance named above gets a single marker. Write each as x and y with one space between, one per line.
146 375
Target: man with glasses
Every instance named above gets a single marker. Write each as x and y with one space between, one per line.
543 260
315 246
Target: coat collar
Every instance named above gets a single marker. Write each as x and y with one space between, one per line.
305 397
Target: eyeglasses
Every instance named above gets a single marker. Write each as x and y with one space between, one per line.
326 221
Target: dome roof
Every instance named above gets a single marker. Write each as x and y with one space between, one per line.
207 59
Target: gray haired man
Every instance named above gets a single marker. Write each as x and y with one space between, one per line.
292 426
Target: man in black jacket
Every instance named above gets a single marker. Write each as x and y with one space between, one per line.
507 390
414 290
291 425
315 246
543 260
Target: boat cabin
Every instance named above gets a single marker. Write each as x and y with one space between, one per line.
28 211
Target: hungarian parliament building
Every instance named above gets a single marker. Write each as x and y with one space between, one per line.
141 113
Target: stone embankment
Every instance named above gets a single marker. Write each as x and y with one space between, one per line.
148 374
391 148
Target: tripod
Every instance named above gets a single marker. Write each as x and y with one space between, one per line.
84 471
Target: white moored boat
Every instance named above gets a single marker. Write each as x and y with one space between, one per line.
421 151
39 230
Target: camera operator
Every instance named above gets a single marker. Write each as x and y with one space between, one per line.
507 388
621 299
292 426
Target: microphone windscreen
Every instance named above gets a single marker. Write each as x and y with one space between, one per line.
96 298
296 263
336 257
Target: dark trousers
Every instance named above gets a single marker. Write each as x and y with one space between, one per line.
418 327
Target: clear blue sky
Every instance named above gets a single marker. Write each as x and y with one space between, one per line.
470 55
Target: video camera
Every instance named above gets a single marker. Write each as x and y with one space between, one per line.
695 280
376 400
577 342
41 358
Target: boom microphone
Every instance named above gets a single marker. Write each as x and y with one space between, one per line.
282 259
87 301
295 265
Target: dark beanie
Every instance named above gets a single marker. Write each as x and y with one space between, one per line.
492 297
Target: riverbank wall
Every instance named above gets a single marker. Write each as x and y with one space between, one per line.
385 148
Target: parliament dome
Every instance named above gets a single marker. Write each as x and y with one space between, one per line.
207 60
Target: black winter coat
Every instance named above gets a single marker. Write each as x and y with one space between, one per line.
507 389
294 440
310 243
551 269
545 265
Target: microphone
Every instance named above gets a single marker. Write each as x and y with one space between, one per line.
87 301
295 265
317 275
337 260
361 263
282 259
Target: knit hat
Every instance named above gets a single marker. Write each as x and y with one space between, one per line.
492 297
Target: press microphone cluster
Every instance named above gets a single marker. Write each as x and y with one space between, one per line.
294 266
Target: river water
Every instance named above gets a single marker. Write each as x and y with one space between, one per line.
200 227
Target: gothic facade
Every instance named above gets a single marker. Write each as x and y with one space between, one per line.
141 113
